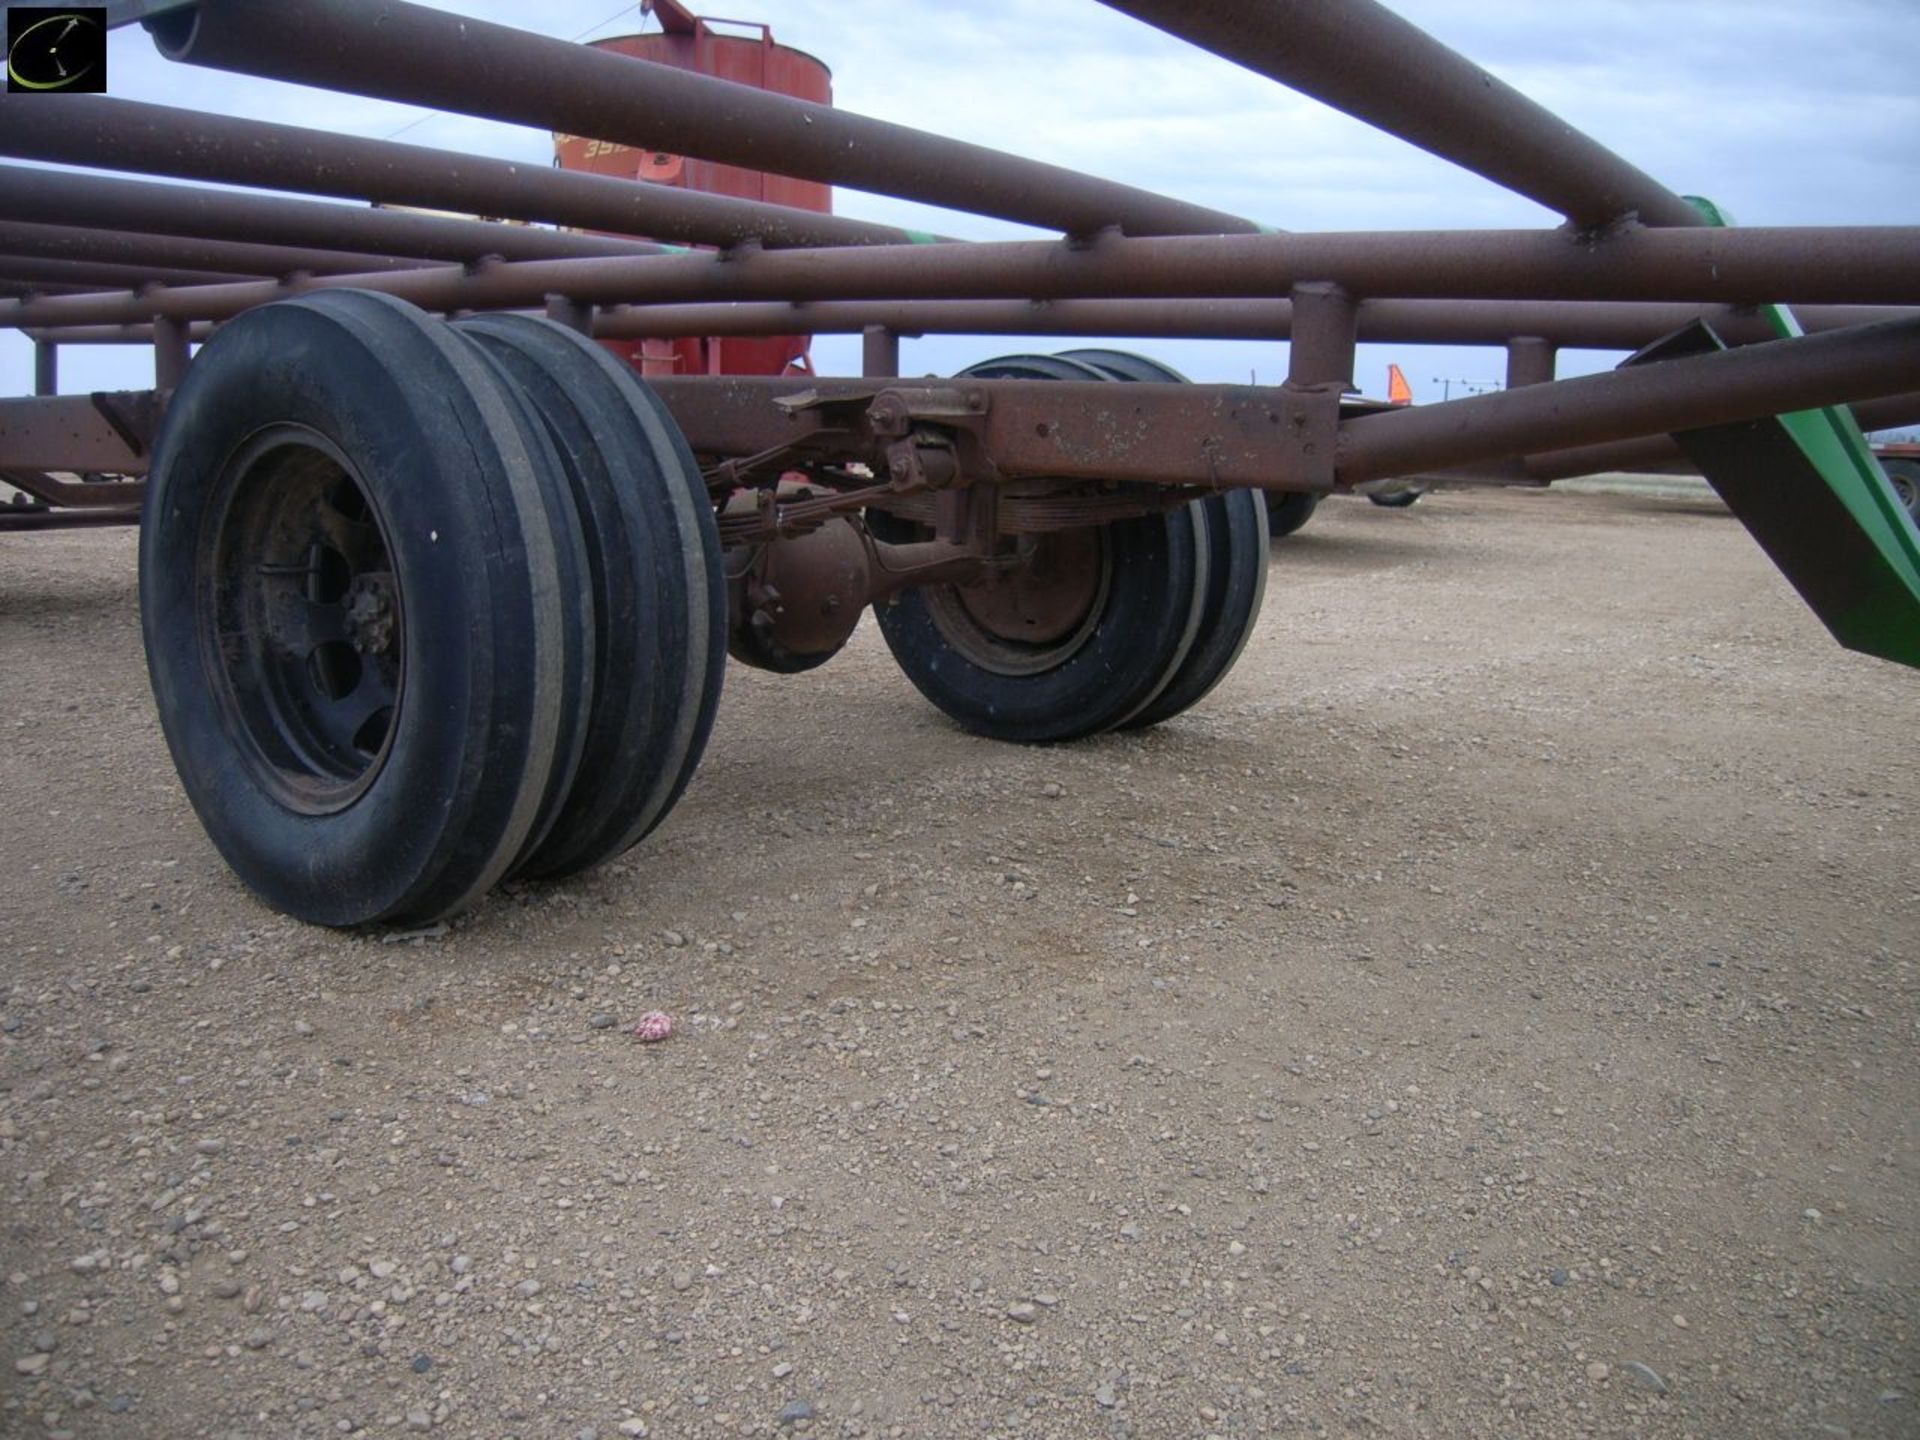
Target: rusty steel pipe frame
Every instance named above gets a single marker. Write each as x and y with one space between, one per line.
1662 451
1361 58
74 494
1585 324
1588 324
34 518
177 252
160 140
61 197
1589 182
1183 434
1776 377
19 289
1245 436
1861 265
96 275
398 51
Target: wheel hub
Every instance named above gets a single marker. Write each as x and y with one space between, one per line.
371 613
303 595
1035 615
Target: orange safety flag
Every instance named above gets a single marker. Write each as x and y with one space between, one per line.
1398 391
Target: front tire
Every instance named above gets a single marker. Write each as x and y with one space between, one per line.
654 576
351 604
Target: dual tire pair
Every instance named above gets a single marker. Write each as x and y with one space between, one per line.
426 606
1129 624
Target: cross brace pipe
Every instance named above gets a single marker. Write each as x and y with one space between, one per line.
177 252
60 197
92 275
420 56
1245 436
1739 267
1774 378
159 140
1593 324
1361 58
1589 324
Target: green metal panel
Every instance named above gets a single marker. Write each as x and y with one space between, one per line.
1809 489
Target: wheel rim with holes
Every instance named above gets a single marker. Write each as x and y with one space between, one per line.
305 625
1035 617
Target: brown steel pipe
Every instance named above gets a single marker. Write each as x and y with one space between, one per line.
1361 58
76 494
176 252
879 351
1590 324
1584 324
98 275
1240 436
1863 363
1661 451
420 56
37 519
59 197
1846 266
159 140
23 288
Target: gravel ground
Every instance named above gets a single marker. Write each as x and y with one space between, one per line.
1491 1013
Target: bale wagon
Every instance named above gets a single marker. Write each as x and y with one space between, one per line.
437 591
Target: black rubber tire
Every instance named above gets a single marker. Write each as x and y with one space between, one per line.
1125 365
1137 638
285 398
1236 586
1237 541
578 641
1904 475
1034 367
1395 500
1288 510
1146 622
656 586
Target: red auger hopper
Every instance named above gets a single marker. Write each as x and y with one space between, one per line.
689 42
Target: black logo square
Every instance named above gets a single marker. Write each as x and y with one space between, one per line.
56 49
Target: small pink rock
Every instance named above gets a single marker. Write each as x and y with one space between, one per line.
654 1025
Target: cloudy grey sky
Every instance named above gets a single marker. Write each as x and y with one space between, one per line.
1785 111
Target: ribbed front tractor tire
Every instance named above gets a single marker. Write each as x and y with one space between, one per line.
656 585
374 578
1117 626
1236 583
1288 510
350 596
1079 641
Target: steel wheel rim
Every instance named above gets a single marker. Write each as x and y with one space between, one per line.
302 622
1035 618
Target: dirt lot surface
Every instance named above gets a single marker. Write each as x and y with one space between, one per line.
1491 1013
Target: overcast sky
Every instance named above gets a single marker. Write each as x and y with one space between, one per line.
1784 111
